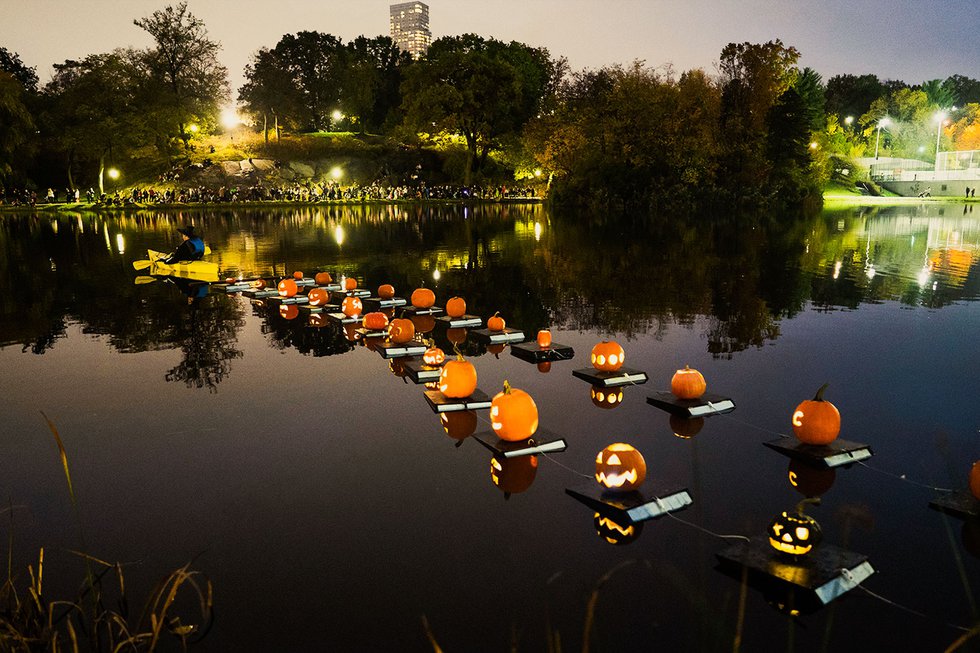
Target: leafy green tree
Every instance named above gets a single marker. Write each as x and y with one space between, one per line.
373 77
967 90
851 95
16 125
809 85
940 93
10 63
788 147
268 91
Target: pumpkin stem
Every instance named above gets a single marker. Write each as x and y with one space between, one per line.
819 395
506 387
801 506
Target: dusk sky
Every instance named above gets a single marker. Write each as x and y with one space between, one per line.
894 39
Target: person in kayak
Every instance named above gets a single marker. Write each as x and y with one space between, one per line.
191 249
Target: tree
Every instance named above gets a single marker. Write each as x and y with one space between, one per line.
809 85
940 93
10 63
186 78
16 125
269 92
965 132
966 89
850 95
374 73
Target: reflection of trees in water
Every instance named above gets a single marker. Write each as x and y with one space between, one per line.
296 334
207 333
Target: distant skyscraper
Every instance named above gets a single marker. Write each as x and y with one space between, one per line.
410 27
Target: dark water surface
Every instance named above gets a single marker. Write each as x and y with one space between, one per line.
320 494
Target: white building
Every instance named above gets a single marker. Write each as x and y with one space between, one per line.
410 27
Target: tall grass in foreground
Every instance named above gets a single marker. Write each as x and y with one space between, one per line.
99 617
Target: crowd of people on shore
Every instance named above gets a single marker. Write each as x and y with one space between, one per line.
306 192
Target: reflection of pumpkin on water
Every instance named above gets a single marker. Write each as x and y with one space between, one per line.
954 263
685 427
288 311
513 475
810 481
606 398
612 532
458 424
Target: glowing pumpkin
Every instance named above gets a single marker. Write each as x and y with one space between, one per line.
544 367
458 378
350 283
423 298
375 321
795 534
259 284
351 306
607 356
318 296
457 336
607 398
513 414
287 288
456 307
322 278
612 532
975 480
288 311
458 424
816 421
386 291
401 330
685 427
544 338
620 467
810 481
688 384
298 275
423 323
496 323
433 356
513 475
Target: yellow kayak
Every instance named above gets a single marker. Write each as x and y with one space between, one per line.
197 270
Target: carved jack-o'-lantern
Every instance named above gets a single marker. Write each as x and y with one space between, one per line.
322 278
375 321
423 323
513 414
288 311
795 533
607 398
816 421
258 284
456 307
351 306
458 424
810 481
975 480
401 330
287 288
688 384
386 291
433 356
609 530
458 378
423 298
607 356
685 427
496 323
513 475
318 296
544 338
620 467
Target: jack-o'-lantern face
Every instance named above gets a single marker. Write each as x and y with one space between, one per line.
513 475
620 468
607 398
794 533
352 306
288 311
433 356
319 296
607 356
258 284
287 288
612 532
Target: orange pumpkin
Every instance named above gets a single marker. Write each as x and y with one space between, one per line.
458 378
544 367
401 330
319 296
608 356
433 356
297 275
458 424
375 321
544 338
287 288
351 307
289 311
423 323
350 283
457 336
423 298
386 291
686 427
496 323
513 475
607 398
816 421
456 307
513 414
258 284
620 467
688 384
322 278
975 480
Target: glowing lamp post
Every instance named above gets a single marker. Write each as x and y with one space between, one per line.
940 119
336 117
884 122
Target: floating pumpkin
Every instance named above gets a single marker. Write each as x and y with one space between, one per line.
350 283
513 475
423 298
319 296
688 384
607 356
258 284
456 307
351 306
376 321
796 533
322 278
975 480
298 274
458 378
433 356
610 530
458 424
513 414
685 427
496 323
816 421
287 288
544 367
544 338
620 467
810 481
606 397
288 311
401 330
423 323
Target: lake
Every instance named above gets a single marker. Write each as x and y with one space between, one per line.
313 485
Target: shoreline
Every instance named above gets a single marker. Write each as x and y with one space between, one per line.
95 207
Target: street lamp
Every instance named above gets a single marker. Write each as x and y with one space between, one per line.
336 117
849 120
884 122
